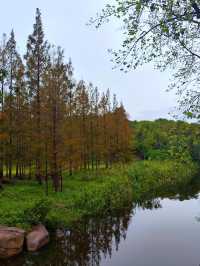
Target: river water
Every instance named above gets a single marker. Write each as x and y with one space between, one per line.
161 230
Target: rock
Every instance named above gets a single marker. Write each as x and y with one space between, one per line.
11 241
37 238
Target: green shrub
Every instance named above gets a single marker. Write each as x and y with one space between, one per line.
37 213
157 154
150 175
99 198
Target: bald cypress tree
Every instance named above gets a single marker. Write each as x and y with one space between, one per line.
53 111
13 64
21 121
49 123
12 74
36 59
104 109
70 135
3 73
82 103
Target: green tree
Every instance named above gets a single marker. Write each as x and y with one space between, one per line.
54 95
164 32
3 74
36 63
13 62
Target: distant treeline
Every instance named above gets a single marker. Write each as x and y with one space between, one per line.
50 122
166 139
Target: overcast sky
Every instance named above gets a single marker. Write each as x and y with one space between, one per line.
143 92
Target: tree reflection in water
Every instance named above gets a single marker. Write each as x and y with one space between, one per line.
84 245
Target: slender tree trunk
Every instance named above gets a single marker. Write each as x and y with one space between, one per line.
55 176
11 120
38 129
70 135
1 141
46 172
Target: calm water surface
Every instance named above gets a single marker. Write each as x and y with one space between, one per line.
158 231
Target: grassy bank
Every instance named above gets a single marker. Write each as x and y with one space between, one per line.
82 195
87 195
149 176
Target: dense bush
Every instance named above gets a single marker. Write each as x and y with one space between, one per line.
166 140
106 196
196 152
37 213
150 175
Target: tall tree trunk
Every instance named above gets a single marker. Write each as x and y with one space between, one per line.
38 129
1 140
55 176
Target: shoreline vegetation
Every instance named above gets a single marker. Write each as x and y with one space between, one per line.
88 195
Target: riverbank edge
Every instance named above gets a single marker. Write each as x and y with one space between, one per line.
89 195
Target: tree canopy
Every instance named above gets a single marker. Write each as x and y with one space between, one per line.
165 32
166 140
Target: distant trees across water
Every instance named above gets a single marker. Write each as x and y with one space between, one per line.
164 139
51 123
